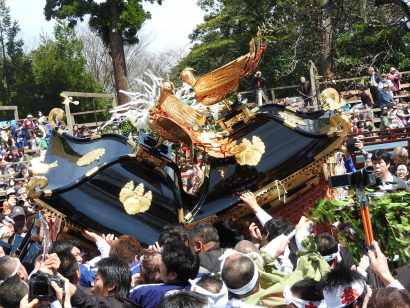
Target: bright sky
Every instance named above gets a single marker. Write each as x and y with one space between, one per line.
169 27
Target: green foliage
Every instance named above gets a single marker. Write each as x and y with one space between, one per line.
360 35
127 16
390 218
17 80
58 65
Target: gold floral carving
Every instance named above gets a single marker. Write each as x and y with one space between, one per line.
134 199
90 157
252 152
36 182
339 125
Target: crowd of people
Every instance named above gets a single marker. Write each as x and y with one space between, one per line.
273 264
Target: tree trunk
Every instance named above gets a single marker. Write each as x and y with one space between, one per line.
326 37
118 56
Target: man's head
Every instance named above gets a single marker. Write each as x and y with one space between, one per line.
246 247
69 267
213 288
307 292
343 287
113 278
258 74
19 217
172 235
10 267
277 226
370 70
240 274
302 79
389 297
150 266
328 247
12 290
179 264
203 237
184 299
381 163
69 245
126 248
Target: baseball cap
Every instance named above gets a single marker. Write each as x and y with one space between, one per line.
17 211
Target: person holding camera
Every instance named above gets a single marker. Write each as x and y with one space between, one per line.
260 86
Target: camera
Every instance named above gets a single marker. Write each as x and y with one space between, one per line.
350 145
364 177
40 288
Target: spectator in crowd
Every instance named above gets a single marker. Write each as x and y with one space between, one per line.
385 81
239 101
395 77
365 97
204 240
374 81
111 286
385 98
149 268
306 91
381 164
179 264
260 87
386 118
400 156
402 172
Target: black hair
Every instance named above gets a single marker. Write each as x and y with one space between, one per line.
172 234
61 245
308 290
238 271
381 154
326 244
277 226
12 290
184 299
68 266
204 232
341 275
210 283
181 260
115 273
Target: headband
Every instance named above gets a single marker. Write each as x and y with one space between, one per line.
343 295
251 284
300 303
332 256
217 300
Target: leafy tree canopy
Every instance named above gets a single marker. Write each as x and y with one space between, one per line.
131 16
340 37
